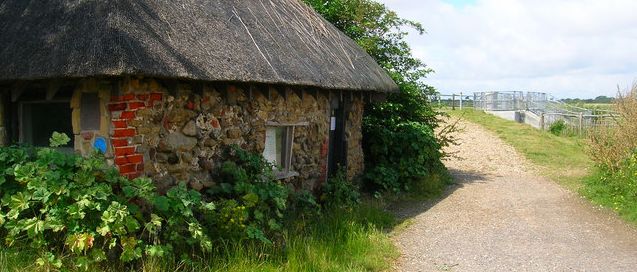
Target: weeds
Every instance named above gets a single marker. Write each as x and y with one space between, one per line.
614 150
609 147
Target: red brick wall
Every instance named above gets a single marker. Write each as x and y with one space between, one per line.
123 109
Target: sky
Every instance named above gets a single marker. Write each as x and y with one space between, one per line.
569 48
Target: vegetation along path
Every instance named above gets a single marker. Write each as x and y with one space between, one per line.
502 216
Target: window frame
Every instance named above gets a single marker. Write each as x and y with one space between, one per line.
286 170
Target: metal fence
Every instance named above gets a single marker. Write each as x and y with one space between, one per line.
542 111
499 101
577 124
453 101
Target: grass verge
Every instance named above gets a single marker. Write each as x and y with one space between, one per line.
559 158
352 240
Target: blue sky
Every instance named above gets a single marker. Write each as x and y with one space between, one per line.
569 48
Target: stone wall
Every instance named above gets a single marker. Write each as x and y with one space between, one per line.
84 138
176 131
179 132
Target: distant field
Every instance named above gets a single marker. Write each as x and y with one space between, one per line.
594 106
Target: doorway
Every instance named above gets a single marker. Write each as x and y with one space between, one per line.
337 157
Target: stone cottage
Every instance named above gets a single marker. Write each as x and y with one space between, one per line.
161 87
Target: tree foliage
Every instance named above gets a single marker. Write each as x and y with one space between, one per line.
400 144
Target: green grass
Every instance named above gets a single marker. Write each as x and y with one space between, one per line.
559 158
355 240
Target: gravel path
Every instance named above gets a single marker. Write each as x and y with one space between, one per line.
501 216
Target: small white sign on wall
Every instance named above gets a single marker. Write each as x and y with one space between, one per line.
333 123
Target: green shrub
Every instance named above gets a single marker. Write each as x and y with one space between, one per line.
558 127
401 154
79 213
57 202
338 192
254 203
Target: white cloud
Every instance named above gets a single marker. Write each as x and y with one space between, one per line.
571 48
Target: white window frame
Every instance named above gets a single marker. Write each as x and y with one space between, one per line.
286 169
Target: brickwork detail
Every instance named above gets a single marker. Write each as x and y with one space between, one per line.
125 141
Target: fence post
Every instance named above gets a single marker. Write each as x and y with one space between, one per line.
581 122
542 121
460 100
453 102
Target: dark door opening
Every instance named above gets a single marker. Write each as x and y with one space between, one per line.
336 158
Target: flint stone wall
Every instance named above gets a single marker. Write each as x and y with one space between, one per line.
179 133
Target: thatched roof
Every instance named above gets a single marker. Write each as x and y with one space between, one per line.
260 41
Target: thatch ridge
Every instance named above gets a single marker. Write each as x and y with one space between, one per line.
260 41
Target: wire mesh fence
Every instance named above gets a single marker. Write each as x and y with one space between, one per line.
542 111
576 124
453 101
499 101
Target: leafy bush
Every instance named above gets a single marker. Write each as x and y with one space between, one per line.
400 154
338 192
253 203
59 202
558 127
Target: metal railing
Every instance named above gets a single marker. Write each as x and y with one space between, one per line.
577 124
542 111
453 101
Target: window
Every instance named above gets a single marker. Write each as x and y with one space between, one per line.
38 112
40 119
278 148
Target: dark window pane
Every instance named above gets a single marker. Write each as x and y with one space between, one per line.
40 120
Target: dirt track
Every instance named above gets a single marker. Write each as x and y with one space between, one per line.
502 216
